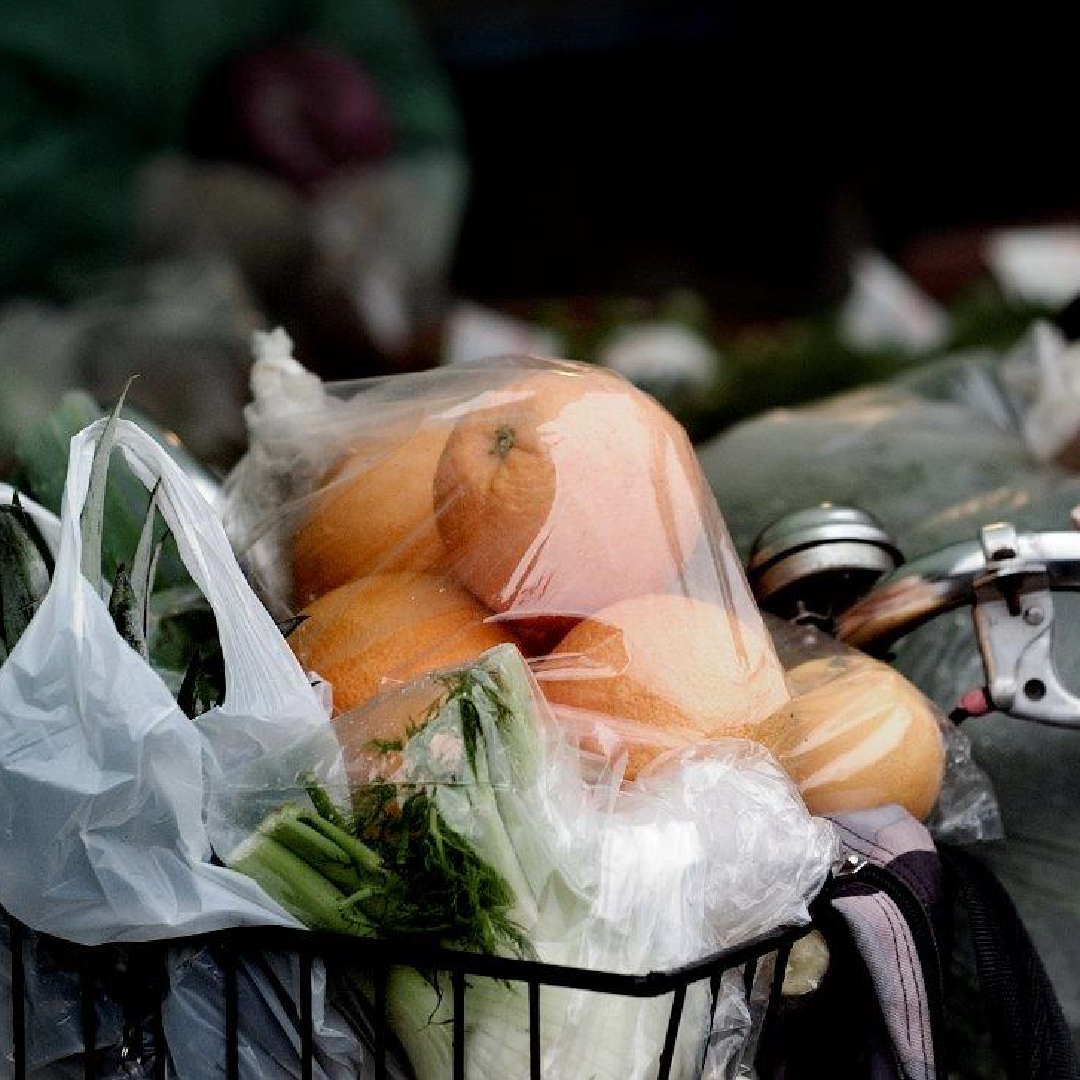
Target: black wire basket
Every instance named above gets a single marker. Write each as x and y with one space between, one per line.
143 968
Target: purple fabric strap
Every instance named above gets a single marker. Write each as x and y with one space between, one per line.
887 837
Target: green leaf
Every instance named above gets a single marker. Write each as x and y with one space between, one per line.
93 515
421 867
180 623
203 687
125 611
32 530
144 564
41 467
322 802
24 575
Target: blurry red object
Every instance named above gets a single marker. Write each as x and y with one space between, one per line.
306 111
944 263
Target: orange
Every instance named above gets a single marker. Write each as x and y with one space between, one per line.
394 626
858 735
374 514
656 672
570 491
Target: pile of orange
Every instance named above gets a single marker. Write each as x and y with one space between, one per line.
563 510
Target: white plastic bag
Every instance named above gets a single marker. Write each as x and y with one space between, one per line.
104 782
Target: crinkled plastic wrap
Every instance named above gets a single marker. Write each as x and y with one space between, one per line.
935 457
418 520
864 736
708 847
601 805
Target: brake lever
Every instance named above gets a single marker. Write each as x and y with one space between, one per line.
841 555
1013 613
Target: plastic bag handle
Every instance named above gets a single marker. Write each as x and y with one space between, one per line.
262 674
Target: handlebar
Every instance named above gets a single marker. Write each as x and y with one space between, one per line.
1008 578
944 580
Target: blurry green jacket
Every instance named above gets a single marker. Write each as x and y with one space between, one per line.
90 90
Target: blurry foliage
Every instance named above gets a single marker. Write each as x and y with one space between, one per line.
788 363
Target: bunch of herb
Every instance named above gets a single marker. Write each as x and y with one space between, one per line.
392 865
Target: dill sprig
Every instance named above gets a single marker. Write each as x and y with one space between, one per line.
394 866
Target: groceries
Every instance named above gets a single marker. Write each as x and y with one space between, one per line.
866 737
521 703
393 625
115 798
25 569
565 490
419 520
476 827
856 734
547 674
341 539
663 671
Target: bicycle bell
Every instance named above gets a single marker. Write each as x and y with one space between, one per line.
813 563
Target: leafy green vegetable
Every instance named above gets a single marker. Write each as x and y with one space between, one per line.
93 515
413 876
124 609
203 686
24 574
393 866
157 607
41 468
144 566
31 529
478 848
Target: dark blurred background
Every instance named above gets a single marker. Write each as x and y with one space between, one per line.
745 148
402 183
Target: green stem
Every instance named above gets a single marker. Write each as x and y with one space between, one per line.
291 828
298 887
363 858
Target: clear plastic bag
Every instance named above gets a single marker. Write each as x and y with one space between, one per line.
54 1035
935 456
707 848
865 736
419 520
601 805
192 1014
268 1035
